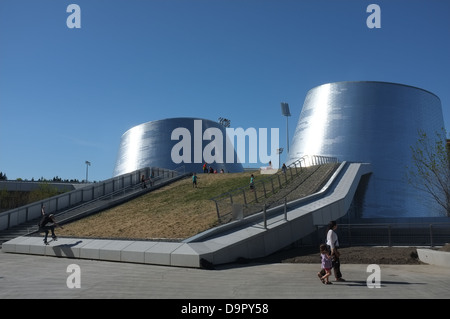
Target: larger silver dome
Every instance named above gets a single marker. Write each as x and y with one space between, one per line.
374 122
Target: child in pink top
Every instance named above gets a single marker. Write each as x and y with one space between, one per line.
326 264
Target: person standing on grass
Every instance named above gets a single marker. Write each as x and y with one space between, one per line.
194 180
252 182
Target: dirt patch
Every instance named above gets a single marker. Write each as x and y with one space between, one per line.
352 255
445 248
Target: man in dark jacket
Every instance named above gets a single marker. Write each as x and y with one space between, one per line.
47 224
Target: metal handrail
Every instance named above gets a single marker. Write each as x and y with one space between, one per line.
166 176
32 211
294 168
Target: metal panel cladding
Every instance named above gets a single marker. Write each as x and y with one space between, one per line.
377 123
158 144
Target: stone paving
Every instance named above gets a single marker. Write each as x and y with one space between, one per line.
40 277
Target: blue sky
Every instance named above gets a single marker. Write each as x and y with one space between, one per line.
68 94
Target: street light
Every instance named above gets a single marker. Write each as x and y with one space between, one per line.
279 151
225 122
87 165
285 111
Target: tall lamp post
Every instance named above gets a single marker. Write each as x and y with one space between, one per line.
225 122
285 111
87 165
279 151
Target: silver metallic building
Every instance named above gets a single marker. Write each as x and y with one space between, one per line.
377 123
182 144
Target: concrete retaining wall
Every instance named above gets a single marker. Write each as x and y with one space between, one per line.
433 257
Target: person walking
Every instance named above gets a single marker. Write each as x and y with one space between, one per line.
143 184
333 245
325 266
152 178
47 224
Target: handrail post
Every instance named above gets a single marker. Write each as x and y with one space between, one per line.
217 210
431 236
349 233
389 235
265 217
285 208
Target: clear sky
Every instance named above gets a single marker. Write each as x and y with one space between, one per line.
68 94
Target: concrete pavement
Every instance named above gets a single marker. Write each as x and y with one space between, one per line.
25 276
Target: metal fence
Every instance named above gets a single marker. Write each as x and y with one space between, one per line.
245 201
77 197
391 234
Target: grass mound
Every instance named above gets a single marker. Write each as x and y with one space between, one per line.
176 211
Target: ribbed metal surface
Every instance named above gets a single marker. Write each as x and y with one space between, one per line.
152 144
375 122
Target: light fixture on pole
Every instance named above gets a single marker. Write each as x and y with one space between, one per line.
87 165
279 151
285 111
225 122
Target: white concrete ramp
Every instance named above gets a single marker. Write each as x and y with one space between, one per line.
248 238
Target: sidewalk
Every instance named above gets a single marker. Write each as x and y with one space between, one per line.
35 277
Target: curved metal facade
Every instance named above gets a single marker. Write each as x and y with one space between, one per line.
377 123
176 143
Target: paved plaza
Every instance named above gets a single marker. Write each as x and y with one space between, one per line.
24 276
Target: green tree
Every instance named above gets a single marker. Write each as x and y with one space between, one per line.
431 171
44 190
